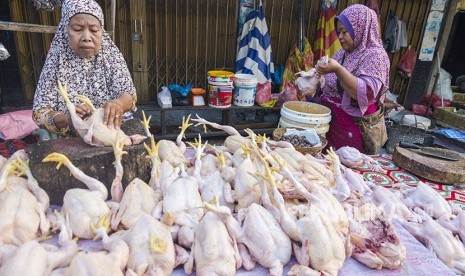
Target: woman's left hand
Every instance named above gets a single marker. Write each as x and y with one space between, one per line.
113 114
330 67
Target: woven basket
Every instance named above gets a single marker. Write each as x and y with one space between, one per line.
279 132
446 115
402 133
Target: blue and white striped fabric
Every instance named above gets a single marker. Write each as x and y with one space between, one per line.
254 49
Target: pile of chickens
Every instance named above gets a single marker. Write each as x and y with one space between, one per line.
215 209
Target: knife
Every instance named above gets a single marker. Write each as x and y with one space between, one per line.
432 152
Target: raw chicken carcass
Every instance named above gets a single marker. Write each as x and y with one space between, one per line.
440 240
110 262
375 240
308 81
318 196
174 152
456 225
33 258
181 202
322 247
92 129
355 181
22 203
233 141
390 202
211 186
353 158
342 190
214 251
262 235
138 199
426 198
151 248
83 207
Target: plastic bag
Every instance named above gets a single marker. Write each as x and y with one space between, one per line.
289 93
3 52
443 89
407 61
164 98
16 124
263 93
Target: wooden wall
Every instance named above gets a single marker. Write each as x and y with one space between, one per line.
183 39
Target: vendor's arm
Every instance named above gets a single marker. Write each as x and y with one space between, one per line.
54 121
368 88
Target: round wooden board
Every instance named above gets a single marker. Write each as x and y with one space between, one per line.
434 169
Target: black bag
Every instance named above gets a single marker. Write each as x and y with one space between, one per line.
180 100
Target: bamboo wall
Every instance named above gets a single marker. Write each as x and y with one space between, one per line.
183 39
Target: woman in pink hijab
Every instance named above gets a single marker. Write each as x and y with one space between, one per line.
355 76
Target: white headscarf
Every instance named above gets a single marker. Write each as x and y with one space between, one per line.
101 78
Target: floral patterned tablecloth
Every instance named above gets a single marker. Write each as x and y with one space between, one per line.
395 174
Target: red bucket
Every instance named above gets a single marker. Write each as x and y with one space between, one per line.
219 95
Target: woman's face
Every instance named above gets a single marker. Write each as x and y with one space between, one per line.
344 37
85 34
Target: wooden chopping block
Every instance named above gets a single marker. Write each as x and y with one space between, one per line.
96 162
434 169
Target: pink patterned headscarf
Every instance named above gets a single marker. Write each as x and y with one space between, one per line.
368 56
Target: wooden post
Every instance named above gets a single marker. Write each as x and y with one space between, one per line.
139 49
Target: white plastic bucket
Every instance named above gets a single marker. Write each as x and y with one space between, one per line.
416 121
246 87
305 115
305 112
320 129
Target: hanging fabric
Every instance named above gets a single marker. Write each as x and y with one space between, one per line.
296 62
254 53
326 40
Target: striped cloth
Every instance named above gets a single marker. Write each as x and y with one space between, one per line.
326 41
254 47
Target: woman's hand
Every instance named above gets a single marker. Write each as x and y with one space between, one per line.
83 111
330 67
113 114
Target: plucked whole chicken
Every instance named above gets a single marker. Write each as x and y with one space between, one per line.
23 203
229 207
92 129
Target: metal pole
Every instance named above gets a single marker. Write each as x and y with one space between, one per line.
300 41
113 18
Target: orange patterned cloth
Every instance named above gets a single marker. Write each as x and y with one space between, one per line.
326 41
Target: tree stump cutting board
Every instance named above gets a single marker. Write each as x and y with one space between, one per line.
434 169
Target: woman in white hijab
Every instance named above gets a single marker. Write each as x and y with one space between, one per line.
83 56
